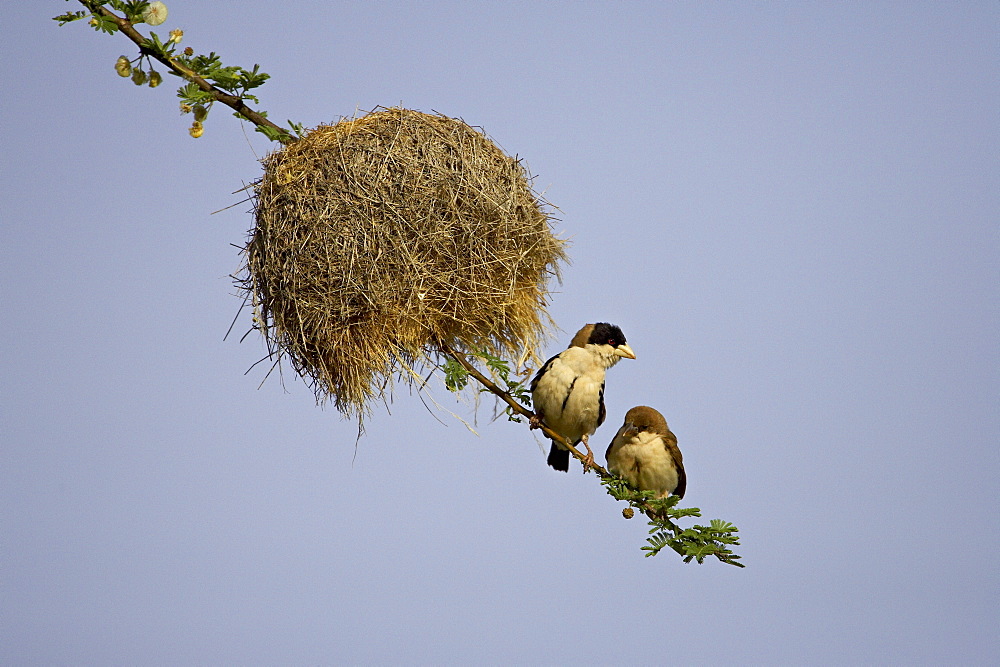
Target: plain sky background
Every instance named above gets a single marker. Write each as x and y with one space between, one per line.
791 209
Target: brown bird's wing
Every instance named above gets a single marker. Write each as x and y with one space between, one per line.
670 443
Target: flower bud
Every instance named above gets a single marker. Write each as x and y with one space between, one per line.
185 108
154 79
197 129
138 77
200 113
628 512
188 51
176 36
155 14
123 66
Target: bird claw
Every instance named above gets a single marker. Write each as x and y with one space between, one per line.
534 421
588 458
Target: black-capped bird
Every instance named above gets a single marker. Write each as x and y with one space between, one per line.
645 453
567 393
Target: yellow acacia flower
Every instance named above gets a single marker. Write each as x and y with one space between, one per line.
123 66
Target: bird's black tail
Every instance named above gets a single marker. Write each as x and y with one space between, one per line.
559 458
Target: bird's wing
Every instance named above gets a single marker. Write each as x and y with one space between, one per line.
541 372
602 412
611 446
670 444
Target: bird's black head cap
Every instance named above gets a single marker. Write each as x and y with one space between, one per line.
601 333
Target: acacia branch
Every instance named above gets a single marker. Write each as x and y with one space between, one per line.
689 543
232 101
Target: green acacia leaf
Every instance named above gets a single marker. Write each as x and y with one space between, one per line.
69 17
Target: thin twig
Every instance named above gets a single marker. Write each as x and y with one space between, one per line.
236 103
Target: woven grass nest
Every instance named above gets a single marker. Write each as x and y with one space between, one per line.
380 238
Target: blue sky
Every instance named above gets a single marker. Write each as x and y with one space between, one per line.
790 209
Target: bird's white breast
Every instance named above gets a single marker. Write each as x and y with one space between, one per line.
579 373
644 461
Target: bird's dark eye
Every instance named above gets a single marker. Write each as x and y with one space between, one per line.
611 342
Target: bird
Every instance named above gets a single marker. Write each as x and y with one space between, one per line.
567 392
645 453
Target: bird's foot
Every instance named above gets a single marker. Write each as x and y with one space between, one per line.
588 458
534 421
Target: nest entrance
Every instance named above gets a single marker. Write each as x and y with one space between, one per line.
379 238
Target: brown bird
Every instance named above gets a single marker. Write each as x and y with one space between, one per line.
567 393
645 453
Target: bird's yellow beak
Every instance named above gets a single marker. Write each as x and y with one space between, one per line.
625 351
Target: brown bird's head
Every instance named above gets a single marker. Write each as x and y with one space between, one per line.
644 418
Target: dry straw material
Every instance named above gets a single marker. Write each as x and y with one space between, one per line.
380 238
